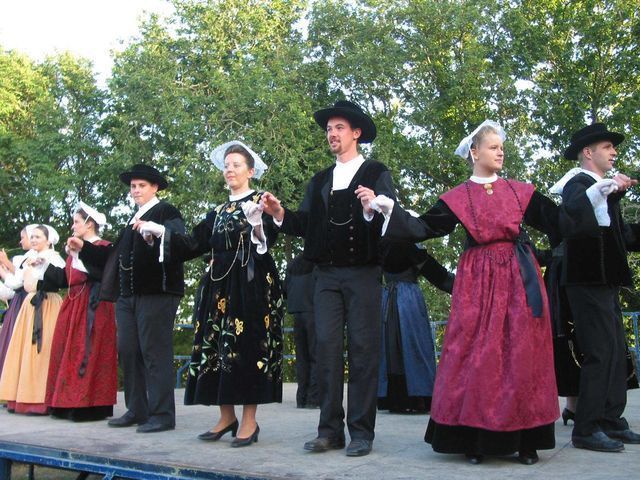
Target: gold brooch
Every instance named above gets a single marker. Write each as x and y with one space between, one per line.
488 188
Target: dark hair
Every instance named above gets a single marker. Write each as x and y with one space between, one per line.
44 230
85 216
242 151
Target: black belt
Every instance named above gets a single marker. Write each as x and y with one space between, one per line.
528 272
36 334
529 275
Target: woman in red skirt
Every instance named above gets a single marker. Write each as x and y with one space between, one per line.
495 390
82 382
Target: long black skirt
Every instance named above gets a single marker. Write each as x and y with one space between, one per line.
477 441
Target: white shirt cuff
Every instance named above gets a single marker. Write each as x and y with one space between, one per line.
161 255
6 293
258 238
77 263
387 217
15 280
600 206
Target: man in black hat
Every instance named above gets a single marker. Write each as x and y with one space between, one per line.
341 235
147 294
596 241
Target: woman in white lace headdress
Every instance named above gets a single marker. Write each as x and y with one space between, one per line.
83 381
495 391
23 386
237 349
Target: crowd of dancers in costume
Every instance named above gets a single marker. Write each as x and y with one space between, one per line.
494 392
59 356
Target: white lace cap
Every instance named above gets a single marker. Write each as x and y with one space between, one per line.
99 218
465 144
53 235
29 228
217 157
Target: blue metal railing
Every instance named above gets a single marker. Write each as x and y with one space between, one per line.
435 326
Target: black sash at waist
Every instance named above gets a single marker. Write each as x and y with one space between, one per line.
527 267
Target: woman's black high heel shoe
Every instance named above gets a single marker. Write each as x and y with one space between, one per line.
210 436
244 442
568 415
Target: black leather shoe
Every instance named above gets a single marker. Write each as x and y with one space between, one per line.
568 415
245 442
210 436
126 420
528 458
359 448
474 459
625 436
322 444
153 427
598 442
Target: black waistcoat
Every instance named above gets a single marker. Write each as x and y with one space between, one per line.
351 244
125 263
143 274
601 257
340 231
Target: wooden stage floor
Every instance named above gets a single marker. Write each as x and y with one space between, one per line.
399 451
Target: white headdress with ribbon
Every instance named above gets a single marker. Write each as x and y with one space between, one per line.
29 228
53 234
99 218
465 145
217 157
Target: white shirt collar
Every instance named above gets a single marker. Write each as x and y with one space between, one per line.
344 172
144 209
483 180
240 196
558 187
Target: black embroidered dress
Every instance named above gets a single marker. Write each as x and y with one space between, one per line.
237 348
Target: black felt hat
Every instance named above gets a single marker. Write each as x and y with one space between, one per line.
588 135
144 172
352 112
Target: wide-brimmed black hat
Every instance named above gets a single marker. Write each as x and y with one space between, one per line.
596 132
144 172
352 112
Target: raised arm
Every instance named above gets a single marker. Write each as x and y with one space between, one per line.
438 221
179 247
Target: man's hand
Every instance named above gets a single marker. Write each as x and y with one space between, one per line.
35 262
74 244
624 182
365 195
272 206
148 230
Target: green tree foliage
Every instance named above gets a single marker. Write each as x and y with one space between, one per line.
49 145
428 71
